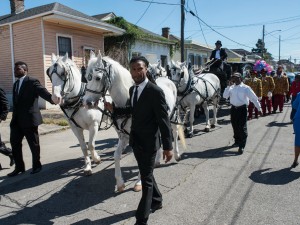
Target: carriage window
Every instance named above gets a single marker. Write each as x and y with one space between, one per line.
64 46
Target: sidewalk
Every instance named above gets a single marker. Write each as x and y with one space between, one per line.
43 128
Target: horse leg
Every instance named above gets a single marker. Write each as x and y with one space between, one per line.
138 184
215 110
158 157
79 134
177 155
191 118
206 111
92 136
122 143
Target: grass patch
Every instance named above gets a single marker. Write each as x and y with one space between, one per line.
59 122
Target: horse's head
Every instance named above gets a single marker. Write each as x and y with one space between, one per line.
156 70
179 71
97 76
63 78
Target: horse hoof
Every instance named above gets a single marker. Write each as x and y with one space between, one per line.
87 172
178 158
121 188
137 188
206 129
157 164
190 135
97 161
212 126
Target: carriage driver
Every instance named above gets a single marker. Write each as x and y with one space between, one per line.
217 58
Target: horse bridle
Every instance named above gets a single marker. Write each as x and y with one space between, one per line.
61 76
106 81
177 82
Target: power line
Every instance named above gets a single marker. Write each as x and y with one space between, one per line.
144 13
191 12
161 3
199 22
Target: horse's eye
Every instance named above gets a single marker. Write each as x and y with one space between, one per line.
97 78
89 77
97 69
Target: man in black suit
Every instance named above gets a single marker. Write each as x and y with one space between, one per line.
4 109
26 118
149 120
217 64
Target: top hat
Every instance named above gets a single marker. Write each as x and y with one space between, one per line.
218 43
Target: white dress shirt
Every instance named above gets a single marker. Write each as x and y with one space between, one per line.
140 89
218 56
240 95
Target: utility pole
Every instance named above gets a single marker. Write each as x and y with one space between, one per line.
263 43
182 30
279 47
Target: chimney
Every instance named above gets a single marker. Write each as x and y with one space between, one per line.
16 6
166 32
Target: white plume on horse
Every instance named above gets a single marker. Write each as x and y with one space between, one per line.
67 91
106 75
196 90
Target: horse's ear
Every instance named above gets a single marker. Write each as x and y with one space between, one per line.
64 59
99 59
53 58
183 64
158 65
92 54
172 63
99 54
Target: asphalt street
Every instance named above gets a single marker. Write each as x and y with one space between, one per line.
212 184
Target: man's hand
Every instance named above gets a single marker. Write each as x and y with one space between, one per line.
167 155
108 106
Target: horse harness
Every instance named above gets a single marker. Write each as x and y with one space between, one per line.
191 88
107 84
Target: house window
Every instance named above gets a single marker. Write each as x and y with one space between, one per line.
163 60
135 54
198 60
64 46
191 60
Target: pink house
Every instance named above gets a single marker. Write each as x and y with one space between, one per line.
32 35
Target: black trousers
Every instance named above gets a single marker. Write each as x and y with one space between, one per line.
239 124
17 134
151 195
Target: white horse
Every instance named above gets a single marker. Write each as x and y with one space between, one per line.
67 91
196 90
104 74
156 70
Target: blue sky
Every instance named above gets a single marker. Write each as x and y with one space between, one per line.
237 23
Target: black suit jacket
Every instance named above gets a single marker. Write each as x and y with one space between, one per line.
4 105
150 120
223 54
26 112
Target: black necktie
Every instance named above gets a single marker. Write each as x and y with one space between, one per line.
135 96
17 87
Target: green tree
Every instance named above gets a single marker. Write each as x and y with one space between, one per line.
260 48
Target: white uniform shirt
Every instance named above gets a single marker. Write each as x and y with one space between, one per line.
240 95
140 89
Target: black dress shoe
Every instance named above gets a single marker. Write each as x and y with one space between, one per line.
15 172
295 164
36 170
241 151
156 207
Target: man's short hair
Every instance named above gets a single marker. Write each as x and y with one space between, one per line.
139 58
20 63
236 75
